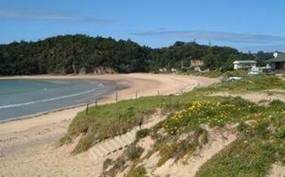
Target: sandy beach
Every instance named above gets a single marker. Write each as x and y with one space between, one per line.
28 147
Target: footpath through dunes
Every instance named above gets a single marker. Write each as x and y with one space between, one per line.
28 147
115 146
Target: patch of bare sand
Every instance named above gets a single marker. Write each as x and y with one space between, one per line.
277 170
28 147
218 140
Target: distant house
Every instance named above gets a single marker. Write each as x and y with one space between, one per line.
277 62
197 63
244 64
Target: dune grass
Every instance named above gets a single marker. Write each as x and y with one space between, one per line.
261 131
137 172
212 111
109 120
260 144
247 84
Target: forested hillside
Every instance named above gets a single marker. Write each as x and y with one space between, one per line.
70 53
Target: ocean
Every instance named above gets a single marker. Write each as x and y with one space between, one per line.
21 98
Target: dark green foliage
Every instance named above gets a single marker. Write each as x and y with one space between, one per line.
71 53
142 133
113 167
133 152
107 163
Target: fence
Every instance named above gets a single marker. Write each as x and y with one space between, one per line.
116 98
136 96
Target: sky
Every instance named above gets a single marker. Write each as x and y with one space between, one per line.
248 25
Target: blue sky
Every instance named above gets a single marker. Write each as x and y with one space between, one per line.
244 24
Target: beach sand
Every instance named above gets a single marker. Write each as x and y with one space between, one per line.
29 148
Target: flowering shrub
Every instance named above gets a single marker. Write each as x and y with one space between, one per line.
214 113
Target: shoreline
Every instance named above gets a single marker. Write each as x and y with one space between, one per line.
125 83
100 99
28 145
103 99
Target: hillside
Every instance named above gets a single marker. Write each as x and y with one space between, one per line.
80 53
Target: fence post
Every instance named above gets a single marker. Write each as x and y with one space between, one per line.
116 97
136 94
87 107
170 100
96 102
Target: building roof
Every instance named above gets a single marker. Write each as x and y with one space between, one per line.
280 58
245 62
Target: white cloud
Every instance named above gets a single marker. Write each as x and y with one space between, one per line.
217 36
43 15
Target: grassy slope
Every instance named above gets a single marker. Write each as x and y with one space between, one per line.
188 112
260 144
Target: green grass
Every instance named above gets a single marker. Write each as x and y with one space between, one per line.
213 111
112 119
256 142
137 172
117 118
235 73
240 159
247 84
260 144
133 152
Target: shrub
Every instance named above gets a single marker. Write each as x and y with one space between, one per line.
107 163
280 133
137 172
133 152
277 105
142 133
118 165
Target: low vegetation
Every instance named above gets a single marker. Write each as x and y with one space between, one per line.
109 120
247 84
133 152
137 172
260 144
260 128
183 133
105 121
235 73
142 134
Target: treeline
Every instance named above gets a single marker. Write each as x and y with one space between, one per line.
74 53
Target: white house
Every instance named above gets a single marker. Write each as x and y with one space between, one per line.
244 64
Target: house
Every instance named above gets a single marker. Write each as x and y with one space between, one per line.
197 63
277 62
244 64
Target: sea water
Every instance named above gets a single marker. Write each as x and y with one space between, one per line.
20 98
